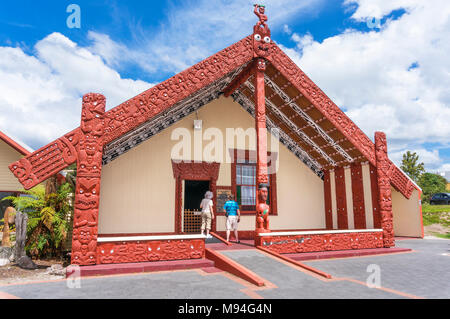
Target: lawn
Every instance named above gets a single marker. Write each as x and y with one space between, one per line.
437 215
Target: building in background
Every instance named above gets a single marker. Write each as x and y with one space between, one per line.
10 150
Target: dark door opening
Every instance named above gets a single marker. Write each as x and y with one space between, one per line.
194 192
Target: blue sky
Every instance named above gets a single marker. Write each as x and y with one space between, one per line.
389 78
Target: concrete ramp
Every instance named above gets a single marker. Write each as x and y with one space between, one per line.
292 282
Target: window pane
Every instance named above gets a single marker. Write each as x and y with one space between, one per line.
238 195
248 195
238 175
248 175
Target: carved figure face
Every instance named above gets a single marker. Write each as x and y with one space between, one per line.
87 192
262 195
261 41
85 235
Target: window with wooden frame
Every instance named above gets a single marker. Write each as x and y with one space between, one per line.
243 182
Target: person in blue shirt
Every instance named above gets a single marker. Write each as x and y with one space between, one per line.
233 215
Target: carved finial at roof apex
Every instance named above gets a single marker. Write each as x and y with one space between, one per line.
261 33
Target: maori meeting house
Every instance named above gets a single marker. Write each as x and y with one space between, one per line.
137 196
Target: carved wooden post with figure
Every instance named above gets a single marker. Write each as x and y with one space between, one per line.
384 189
87 191
261 49
9 218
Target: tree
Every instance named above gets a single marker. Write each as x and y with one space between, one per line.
47 226
411 167
431 184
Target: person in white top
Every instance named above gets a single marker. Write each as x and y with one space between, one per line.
207 213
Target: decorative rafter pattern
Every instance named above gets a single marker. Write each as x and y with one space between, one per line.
308 119
294 127
287 141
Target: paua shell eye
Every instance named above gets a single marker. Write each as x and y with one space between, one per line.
267 39
257 37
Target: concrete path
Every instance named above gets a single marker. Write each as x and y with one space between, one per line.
188 284
425 272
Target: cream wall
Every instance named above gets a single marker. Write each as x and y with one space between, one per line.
407 214
8 155
138 188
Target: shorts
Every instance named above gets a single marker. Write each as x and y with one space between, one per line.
206 221
232 222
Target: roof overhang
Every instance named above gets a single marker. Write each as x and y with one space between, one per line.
311 126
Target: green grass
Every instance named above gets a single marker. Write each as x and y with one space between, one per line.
446 236
427 208
436 214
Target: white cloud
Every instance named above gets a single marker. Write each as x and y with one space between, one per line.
395 80
41 93
196 30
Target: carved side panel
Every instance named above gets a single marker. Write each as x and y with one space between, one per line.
322 242
375 193
327 199
359 208
384 189
341 198
144 251
46 161
87 191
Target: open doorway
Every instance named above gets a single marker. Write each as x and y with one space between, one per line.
194 192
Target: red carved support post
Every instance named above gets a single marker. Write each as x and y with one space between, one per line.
262 209
261 49
87 192
384 189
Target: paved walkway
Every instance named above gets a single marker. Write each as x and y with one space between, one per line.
425 272
422 273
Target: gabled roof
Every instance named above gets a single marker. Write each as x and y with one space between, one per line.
311 125
14 144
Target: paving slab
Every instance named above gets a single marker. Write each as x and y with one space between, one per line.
425 272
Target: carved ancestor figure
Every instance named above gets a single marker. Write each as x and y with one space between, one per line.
21 234
262 211
261 34
9 218
259 11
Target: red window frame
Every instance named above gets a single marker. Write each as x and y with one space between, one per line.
245 155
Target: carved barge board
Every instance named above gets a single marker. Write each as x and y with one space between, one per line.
359 208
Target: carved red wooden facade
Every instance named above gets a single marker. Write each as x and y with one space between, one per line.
322 242
144 251
98 128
